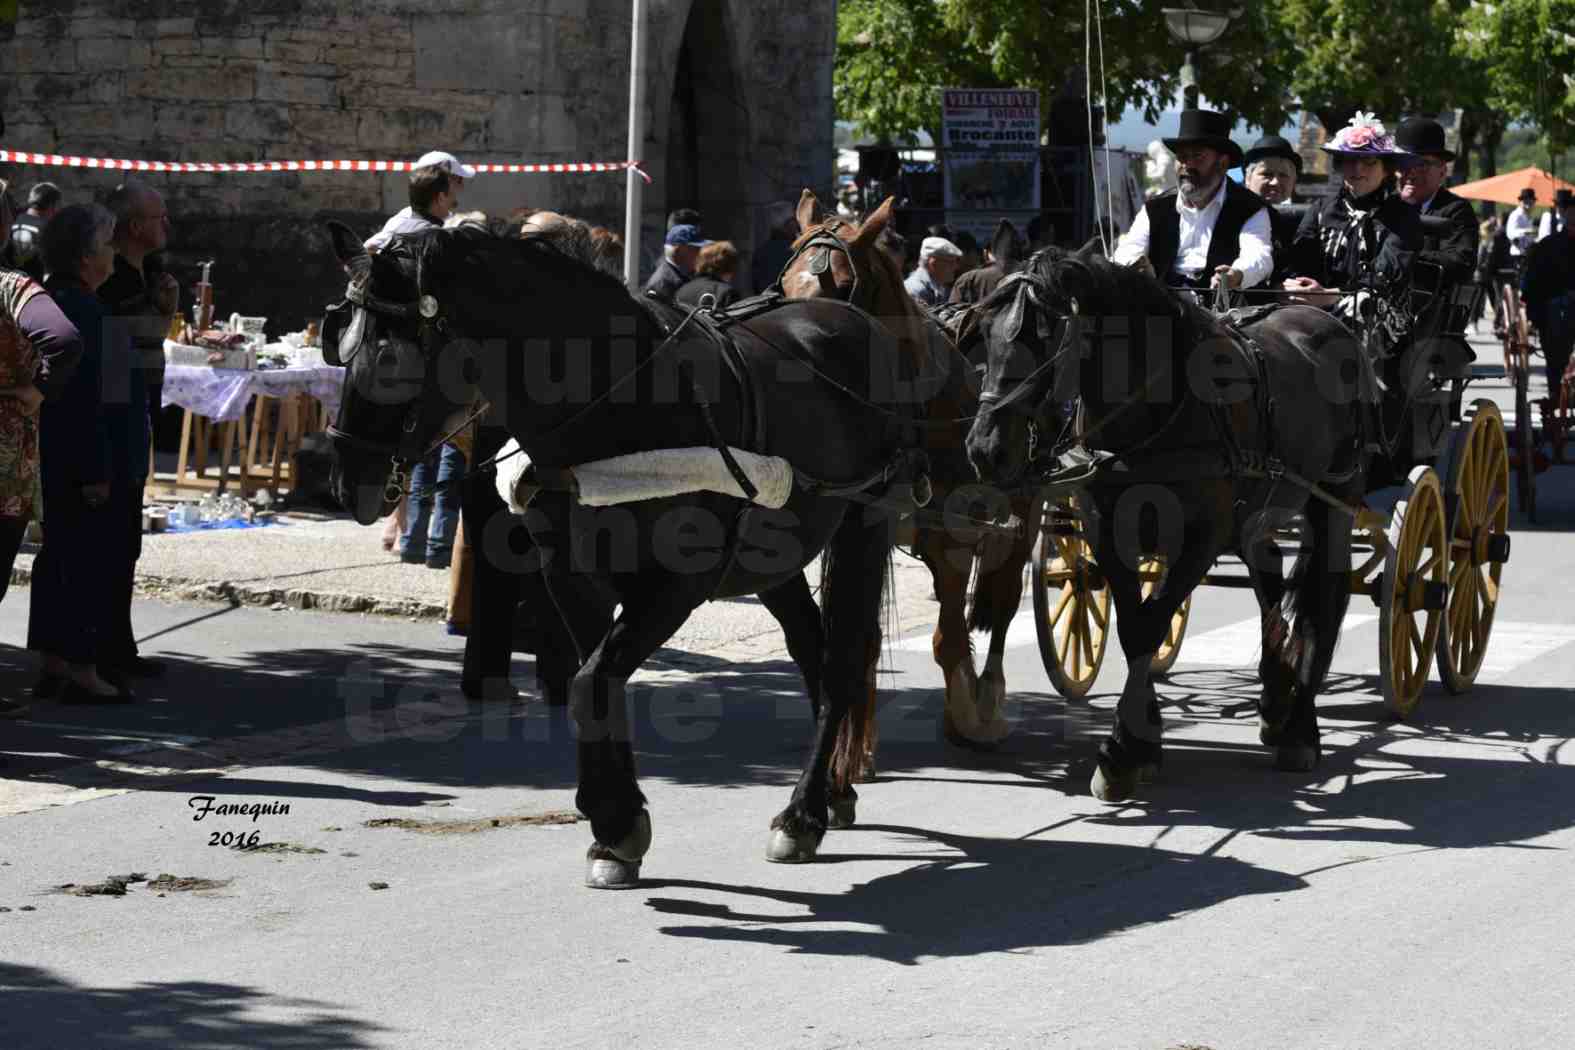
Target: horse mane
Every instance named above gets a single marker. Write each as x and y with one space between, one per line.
1105 288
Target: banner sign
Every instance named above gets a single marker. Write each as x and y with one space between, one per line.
991 157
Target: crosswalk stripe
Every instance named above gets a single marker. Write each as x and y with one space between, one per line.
1512 645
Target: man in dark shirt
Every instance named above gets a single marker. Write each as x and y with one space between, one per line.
680 252
1549 290
143 298
43 201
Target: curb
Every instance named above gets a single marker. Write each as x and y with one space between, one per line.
227 593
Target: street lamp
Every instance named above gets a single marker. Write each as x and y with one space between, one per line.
1195 29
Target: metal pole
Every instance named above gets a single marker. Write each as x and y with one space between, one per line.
1189 81
631 215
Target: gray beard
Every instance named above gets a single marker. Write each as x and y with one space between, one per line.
1195 194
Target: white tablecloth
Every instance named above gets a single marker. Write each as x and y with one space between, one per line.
223 393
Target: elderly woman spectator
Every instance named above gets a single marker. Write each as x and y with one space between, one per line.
94 441
715 268
39 351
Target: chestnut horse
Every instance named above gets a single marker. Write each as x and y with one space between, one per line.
835 258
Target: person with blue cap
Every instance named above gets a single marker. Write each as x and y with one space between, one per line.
680 251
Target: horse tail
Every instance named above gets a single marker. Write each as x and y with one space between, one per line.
853 754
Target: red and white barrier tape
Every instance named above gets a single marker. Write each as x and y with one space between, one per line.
270 166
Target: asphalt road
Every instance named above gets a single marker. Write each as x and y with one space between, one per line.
1411 892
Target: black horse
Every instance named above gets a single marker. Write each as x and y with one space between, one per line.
1213 440
580 371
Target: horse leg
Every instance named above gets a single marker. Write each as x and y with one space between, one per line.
855 572
997 594
950 562
1132 752
795 610
608 791
1322 594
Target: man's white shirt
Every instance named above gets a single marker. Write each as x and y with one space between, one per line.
1521 231
1255 250
1549 224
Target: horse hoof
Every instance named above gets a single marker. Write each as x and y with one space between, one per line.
1116 785
605 870
1296 758
791 849
980 736
843 813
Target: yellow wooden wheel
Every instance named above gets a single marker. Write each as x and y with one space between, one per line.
1413 588
1071 604
1476 513
1152 573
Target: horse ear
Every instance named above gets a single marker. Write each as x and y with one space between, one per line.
810 213
347 245
879 219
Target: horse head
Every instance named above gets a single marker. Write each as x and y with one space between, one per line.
389 334
834 258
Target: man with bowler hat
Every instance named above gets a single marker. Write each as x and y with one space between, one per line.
1271 169
1422 187
1521 228
1210 229
1549 290
1553 219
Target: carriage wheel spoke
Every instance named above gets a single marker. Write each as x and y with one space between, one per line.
1426 568
1488 584
1088 645
1099 615
1065 643
1498 505
1415 636
1067 594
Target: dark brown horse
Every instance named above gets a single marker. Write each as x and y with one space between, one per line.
838 259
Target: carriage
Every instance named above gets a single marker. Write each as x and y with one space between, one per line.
1429 548
1521 344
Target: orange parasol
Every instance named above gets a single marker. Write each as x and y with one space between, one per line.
1505 189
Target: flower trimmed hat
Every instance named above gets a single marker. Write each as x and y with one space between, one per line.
1364 136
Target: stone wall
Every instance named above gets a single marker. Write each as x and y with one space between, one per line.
489 80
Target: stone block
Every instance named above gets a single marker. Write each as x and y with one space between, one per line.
190 124
229 83
504 52
108 27
176 45
258 123
101 52
328 128
130 122
313 91
396 131
280 50
355 55
162 27
238 47
44 56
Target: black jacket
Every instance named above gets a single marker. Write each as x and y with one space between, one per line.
1550 273
666 281
1372 246
689 295
1456 253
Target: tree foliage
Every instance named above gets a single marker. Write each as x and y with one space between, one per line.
1528 52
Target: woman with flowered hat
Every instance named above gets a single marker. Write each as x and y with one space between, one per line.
1365 237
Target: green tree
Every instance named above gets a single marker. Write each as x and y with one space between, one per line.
1529 53
892 56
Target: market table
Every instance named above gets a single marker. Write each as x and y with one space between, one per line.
217 401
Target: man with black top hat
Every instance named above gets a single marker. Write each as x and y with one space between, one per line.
1210 229
1520 227
1553 219
1422 187
1270 169
1549 290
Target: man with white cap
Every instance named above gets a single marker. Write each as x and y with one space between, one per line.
930 283
408 219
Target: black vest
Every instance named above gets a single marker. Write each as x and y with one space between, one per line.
1164 232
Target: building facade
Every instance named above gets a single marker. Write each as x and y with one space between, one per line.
739 114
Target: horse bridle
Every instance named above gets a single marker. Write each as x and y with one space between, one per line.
823 240
408 449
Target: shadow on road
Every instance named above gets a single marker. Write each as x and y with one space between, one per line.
194 1015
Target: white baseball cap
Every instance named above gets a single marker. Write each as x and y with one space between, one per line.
446 161
938 246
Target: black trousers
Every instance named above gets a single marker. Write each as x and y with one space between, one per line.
123 542
71 577
11 532
495 590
